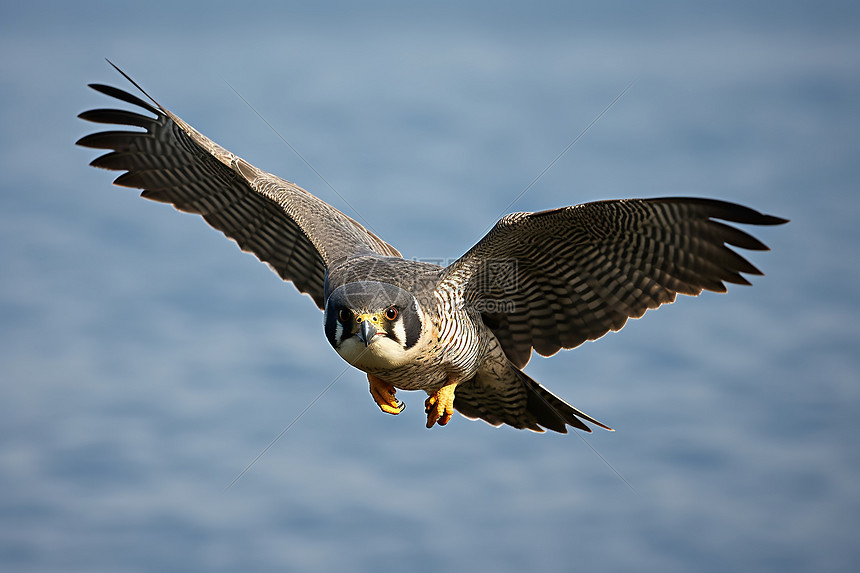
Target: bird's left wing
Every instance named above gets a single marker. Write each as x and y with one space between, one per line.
295 233
554 279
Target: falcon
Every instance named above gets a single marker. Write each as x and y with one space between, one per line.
462 333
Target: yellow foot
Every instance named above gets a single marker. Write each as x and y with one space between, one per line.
383 395
440 406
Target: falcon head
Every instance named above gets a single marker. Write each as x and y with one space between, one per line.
373 324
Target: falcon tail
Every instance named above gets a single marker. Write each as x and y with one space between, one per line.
552 412
517 400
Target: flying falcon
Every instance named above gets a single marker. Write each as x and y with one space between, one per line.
462 333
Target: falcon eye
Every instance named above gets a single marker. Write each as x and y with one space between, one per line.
343 315
391 313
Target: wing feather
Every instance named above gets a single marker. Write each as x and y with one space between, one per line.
579 272
297 234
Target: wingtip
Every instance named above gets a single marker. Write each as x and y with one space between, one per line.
774 220
117 68
132 82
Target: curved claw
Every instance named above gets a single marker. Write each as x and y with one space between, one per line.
439 406
383 394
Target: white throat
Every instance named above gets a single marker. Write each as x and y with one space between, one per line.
382 354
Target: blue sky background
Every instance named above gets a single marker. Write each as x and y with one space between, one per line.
146 361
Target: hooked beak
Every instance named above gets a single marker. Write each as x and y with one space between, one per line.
366 332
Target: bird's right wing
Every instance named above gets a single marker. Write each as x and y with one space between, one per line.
554 279
295 233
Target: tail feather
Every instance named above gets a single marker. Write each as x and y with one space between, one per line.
517 400
547 408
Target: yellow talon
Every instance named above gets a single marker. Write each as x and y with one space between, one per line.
383 394
440 406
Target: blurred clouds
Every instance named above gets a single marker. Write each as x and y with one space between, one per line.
145 361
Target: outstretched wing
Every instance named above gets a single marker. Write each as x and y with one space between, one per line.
554 279
297 234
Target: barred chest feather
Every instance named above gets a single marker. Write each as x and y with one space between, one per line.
450 347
